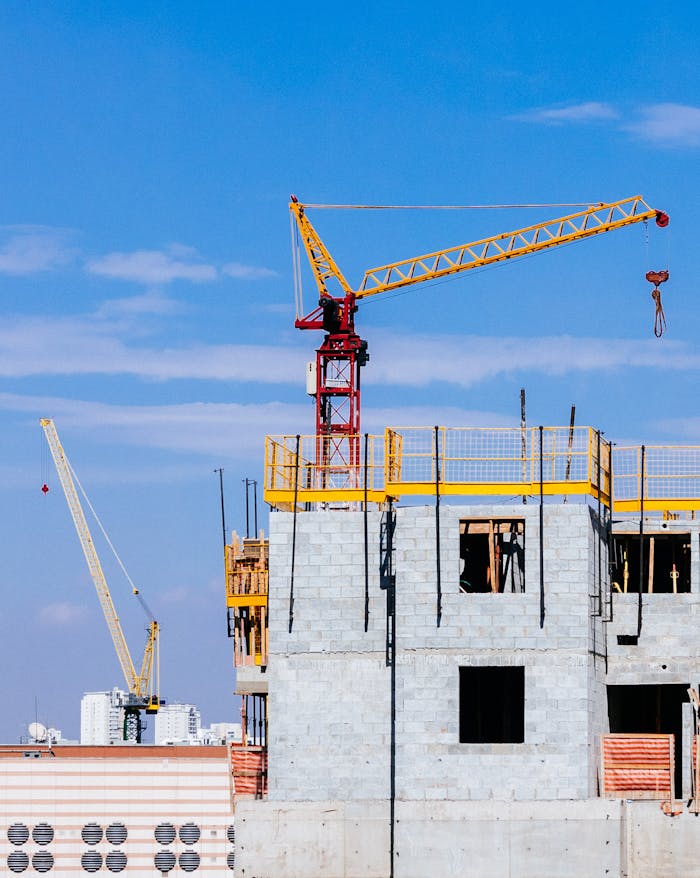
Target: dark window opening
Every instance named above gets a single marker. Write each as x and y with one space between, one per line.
650 709
492 555
665 564
492 705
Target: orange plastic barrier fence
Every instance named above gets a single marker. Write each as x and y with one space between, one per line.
637 766
249 765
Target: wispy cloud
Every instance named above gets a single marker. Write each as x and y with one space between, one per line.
247 272
33 249
589 111
88 346
229 429
663 124
84 346
154 267
465 361
62 614
668 125
153 302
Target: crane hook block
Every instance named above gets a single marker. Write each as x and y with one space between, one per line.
656 278
45 488
662 219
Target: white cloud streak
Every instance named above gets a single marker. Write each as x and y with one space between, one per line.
589 111
33 249
62 614
663 124
668 125
247 272
86 346
153 267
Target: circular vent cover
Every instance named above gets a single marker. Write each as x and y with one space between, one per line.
91 861
165 833
42 834
17 861
164 860
18 833
189 833
231 860
231 833
91 833
42 861
116 861
189 861
116 833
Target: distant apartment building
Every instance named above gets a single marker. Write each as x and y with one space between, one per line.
102 717
177 724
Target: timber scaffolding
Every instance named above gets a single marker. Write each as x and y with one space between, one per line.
480 462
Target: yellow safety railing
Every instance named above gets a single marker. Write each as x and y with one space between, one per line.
466 461
671 478
343 479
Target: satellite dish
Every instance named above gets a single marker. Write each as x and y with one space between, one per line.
38 732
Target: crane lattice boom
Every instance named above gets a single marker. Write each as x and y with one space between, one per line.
139 685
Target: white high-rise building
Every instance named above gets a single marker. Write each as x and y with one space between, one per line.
102 717
177 724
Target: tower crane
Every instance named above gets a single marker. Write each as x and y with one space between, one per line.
143 687
342 354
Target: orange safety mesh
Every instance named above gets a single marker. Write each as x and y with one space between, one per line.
249 765
638 766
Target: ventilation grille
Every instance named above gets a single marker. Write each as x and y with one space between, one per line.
231 834
91 833
164 860
231 861
91 861
42 861
43 834
189 861
17 861
116 861
116 833
18 833
189 833
165 833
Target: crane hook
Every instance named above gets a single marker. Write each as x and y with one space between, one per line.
656 278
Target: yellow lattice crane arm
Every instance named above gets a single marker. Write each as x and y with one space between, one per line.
603 217
141 685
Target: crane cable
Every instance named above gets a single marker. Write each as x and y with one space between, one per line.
450 206
109 542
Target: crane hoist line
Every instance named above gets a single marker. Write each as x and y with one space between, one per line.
334 378
143 686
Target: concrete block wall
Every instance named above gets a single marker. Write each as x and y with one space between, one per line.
328 702
668 650
329 684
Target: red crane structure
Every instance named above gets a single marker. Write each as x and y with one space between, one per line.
342 353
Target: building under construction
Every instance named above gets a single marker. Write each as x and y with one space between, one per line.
496 678
473 652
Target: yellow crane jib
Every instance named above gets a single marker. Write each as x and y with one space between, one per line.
143 687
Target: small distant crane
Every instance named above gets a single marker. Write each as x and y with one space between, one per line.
143 687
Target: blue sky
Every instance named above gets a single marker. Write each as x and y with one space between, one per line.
147 158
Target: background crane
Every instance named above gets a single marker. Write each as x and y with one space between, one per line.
342 354
143 687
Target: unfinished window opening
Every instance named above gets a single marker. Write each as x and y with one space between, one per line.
492 555
666 563
492 705
650 709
